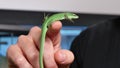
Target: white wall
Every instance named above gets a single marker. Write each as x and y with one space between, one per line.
80 6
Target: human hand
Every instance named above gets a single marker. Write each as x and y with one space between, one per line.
25 53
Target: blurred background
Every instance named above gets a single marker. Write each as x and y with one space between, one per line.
18 16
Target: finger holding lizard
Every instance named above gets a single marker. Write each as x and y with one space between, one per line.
45 26
54 34
54 56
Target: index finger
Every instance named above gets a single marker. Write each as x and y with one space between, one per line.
54 29
54 33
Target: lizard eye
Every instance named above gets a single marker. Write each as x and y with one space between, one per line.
47 26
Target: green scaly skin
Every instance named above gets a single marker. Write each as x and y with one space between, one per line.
48 21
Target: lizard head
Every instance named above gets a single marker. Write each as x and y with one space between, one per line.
71 16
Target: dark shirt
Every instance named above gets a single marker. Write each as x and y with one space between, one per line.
98 46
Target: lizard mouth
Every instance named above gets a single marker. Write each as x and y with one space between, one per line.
76 17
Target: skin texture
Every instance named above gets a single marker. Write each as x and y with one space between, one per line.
25 52
48 21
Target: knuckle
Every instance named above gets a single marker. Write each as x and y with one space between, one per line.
21 37
24 38
19 61
21 64
10 48
33 56
35 28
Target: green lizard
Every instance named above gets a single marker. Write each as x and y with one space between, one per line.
47 22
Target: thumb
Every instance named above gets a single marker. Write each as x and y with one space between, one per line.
64 58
